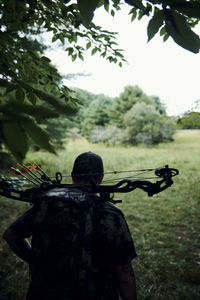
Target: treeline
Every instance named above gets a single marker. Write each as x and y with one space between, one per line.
132 118
190 119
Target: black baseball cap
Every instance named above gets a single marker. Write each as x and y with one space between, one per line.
87 165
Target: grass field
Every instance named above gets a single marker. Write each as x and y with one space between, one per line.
165 227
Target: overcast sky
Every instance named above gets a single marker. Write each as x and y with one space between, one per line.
162 69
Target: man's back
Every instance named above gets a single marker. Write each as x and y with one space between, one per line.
76 241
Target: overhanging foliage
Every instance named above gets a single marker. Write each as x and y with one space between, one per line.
174 18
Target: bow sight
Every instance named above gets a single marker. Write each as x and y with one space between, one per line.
35 175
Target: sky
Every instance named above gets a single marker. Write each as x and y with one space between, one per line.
160 69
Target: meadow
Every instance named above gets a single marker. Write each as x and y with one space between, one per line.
165 227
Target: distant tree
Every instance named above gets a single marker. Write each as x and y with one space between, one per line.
95 115
189 120
127 99
85 98
159 106
130 96
144 124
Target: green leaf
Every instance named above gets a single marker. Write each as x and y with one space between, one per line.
70 50
162 31
134 14
61 37
58 105
43 112
140 15
19 94
32 98
136 3
165 37
94 50
177 27
75 38
103 54
38 135
45 59
74 57
154 24
15 139
112 12
55 37
88 45
101 2
87 8
16 111
106 6
80 56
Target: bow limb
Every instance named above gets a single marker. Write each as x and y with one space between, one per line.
123 186
159 186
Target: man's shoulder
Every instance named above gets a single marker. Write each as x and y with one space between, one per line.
112 208
108 209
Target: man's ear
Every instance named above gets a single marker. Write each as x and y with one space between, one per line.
100 178
73 178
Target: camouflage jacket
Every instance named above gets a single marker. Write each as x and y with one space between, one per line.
77 240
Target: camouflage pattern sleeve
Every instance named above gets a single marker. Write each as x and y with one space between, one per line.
23 226
124 249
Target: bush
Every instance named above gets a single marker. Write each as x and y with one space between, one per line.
74 133
110 135
144 124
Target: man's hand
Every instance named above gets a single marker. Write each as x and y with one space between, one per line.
19 245
127 284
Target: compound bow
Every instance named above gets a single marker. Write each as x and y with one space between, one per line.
35 175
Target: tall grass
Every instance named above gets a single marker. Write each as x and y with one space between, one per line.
165 227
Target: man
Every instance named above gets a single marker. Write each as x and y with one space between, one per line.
81 246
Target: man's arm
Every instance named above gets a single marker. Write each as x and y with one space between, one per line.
127 283
19 245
